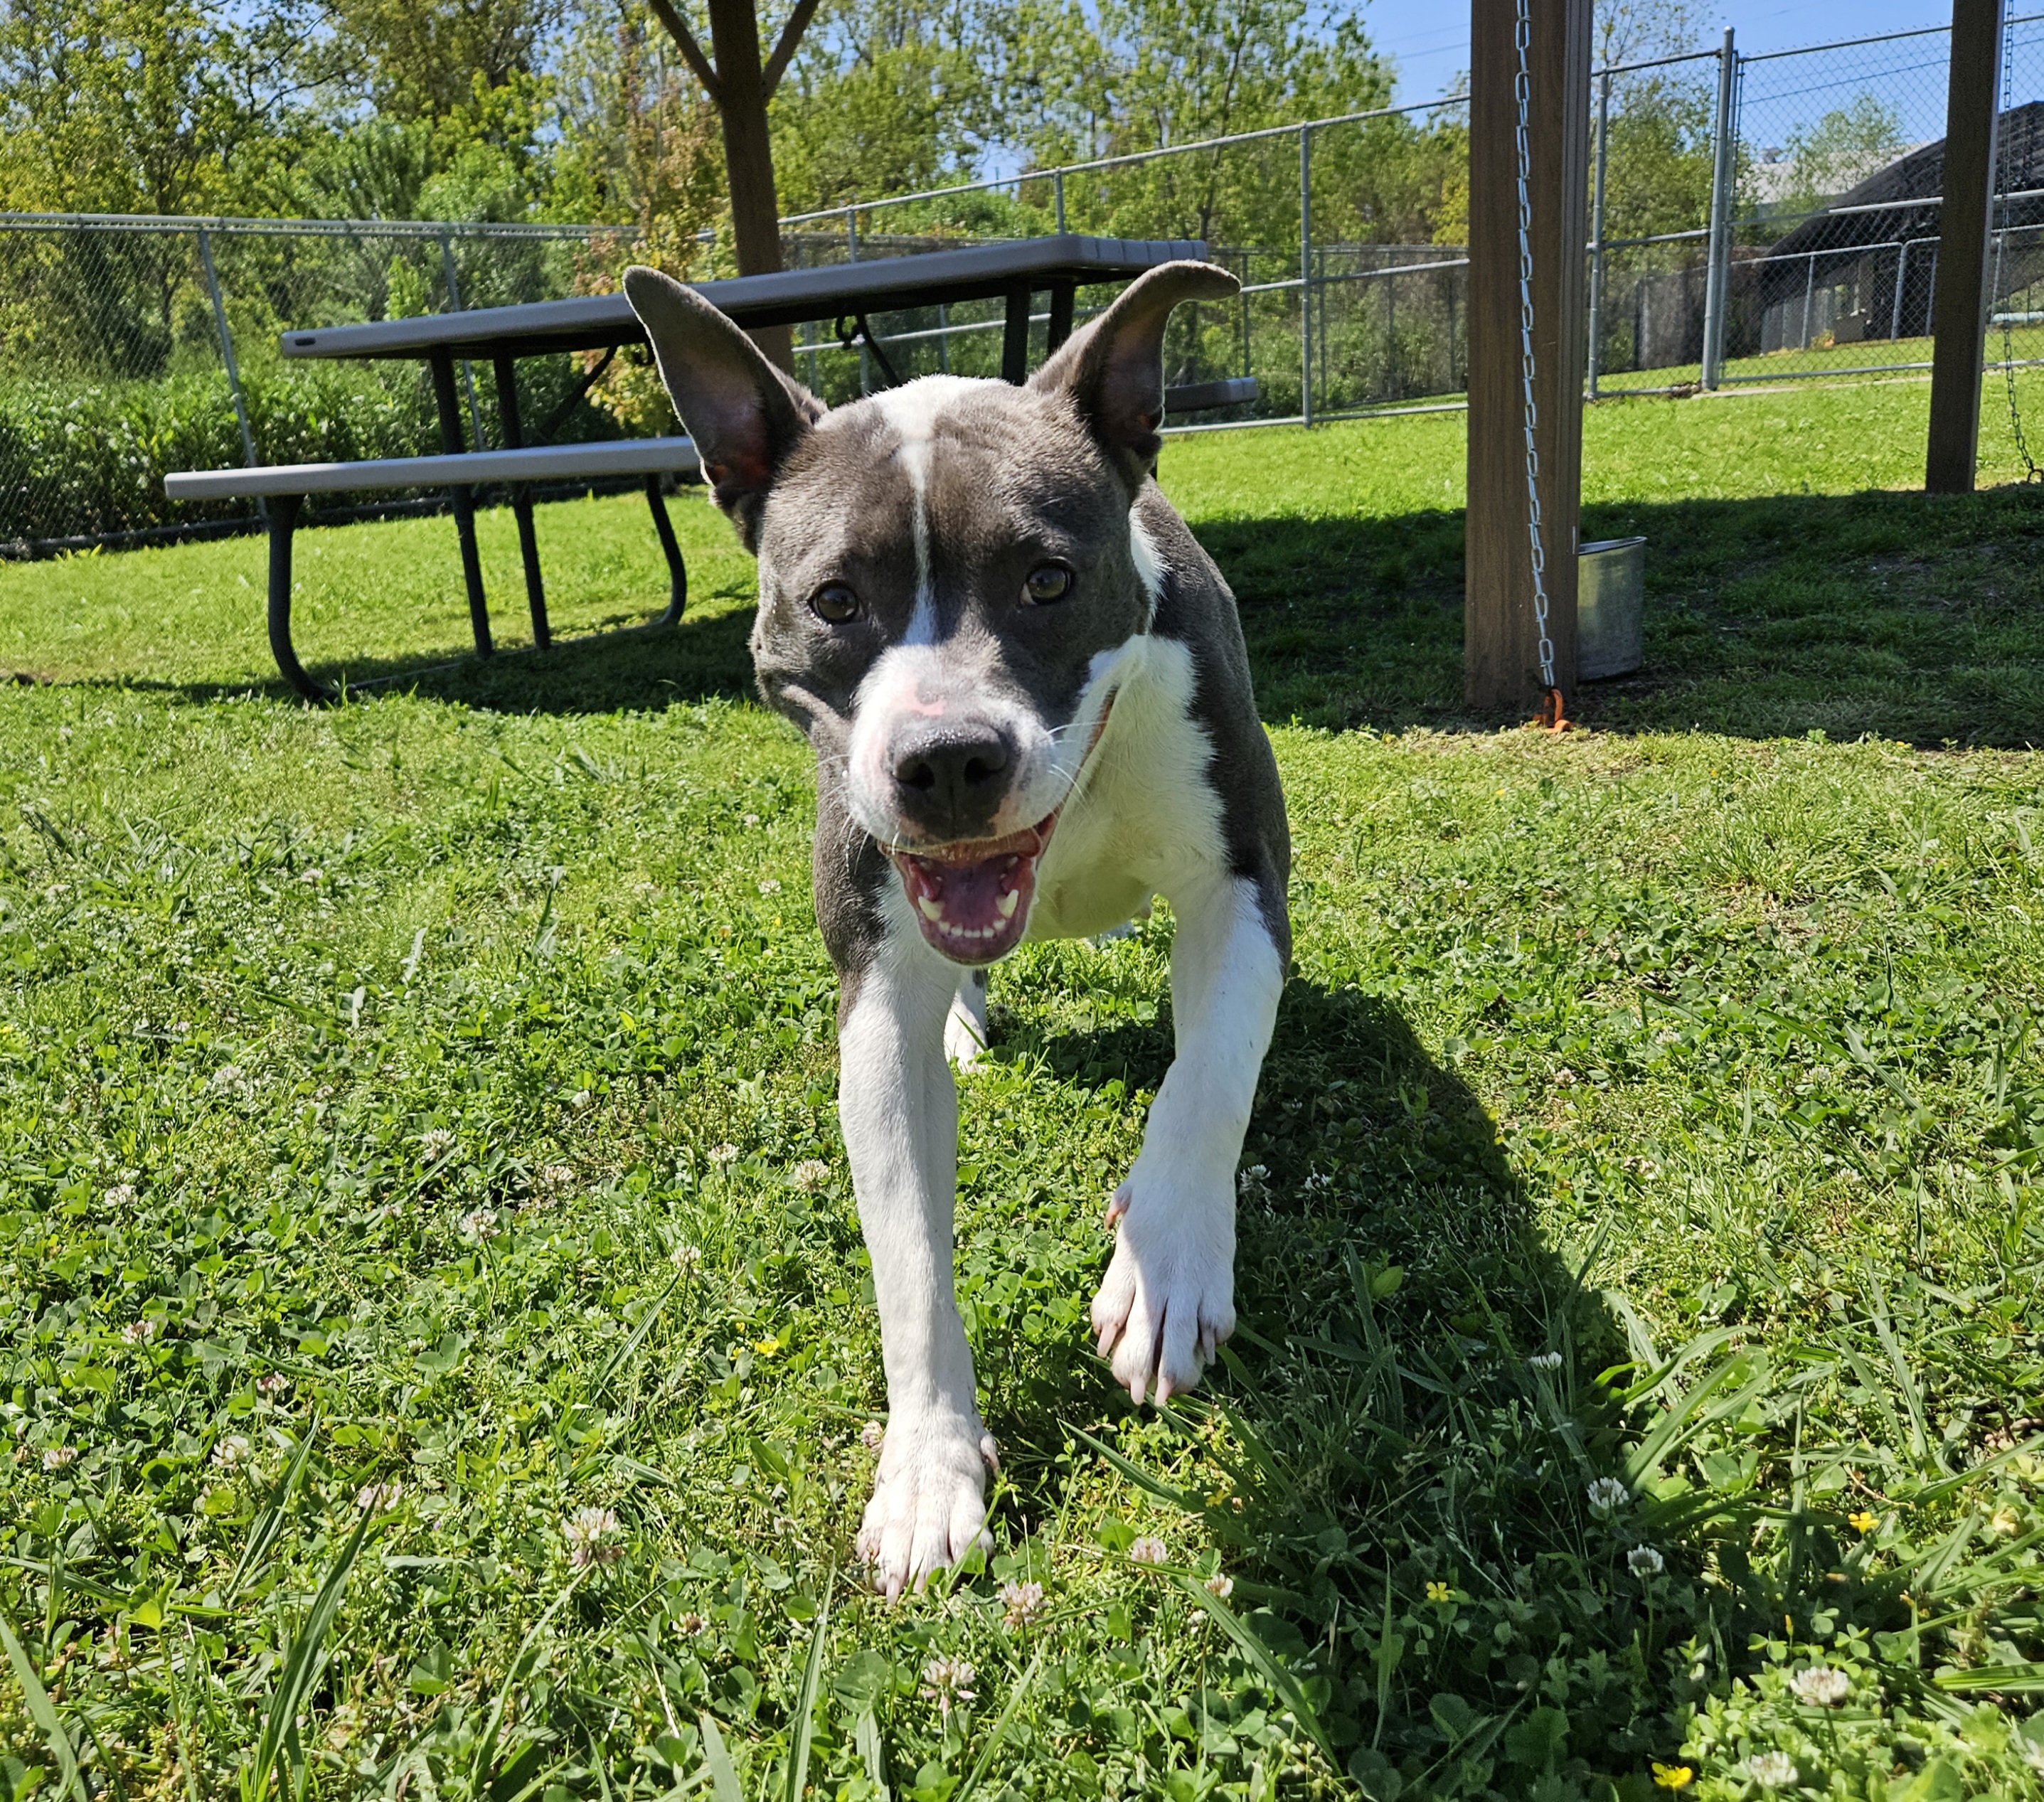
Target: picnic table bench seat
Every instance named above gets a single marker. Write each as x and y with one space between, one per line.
285 487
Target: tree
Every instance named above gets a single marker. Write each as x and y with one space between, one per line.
740 87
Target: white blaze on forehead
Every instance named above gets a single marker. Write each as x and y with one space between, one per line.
912 410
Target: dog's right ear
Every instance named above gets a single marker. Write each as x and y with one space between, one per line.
744 415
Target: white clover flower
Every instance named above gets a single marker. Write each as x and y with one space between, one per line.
378 1498
555 1178
435 1143
948 1683
1607 1495
1546 1362
274 1384
871 1434
235 1449
811 1174
685 1257
723 1154
592 1535
1022 1602
1148 1551
1220 1585
691 1625
231 1079
1253 1178
58 1458
752 819
480 1224
1820 1686
2033 1755
141 1331
771 886
313 875
1644 1561
121 1195
1771 1770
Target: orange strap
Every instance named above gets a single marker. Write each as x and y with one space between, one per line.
1552 718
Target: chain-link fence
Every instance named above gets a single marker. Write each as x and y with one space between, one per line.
1809 247
1753 219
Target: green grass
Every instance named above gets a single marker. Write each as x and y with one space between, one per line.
417 1127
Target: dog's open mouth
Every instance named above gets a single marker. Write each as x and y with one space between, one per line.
972 899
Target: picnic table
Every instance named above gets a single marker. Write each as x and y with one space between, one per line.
1014 271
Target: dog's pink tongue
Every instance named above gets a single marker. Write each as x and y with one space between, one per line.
974 911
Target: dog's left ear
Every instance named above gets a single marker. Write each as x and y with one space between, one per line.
1114 370
744 415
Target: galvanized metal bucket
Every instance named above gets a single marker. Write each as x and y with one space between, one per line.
1611 589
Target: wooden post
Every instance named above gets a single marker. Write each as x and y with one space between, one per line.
1500 661
1959 320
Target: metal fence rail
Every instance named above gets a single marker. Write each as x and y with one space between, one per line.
1733 240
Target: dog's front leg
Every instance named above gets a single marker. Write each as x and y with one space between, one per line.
899 1110
1169 1296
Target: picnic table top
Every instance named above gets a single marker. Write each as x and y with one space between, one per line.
592 321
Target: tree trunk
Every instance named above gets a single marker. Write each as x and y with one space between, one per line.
748 155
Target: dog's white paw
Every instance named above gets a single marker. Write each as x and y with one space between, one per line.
1168 1299
964 1026
928 1506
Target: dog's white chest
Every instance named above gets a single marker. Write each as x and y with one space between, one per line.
1146 812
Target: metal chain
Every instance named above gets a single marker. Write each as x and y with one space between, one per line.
1522 90
2031 472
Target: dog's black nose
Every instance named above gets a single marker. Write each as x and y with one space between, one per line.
950 779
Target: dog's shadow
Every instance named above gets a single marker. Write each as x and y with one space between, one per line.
1411 1397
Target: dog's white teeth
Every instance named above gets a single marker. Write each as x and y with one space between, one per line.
931 910
1008 903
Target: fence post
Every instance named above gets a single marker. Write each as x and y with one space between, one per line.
1717 262
1596 229
1306 274
227 354
1958 318
1058 180
467 373
1901 275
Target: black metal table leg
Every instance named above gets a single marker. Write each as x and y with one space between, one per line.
1062 294
283 520
1014 337
677 574
513 429
463 498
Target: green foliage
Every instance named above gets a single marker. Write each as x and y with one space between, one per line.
1846 146
89 458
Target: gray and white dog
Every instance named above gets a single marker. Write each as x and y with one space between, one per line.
1027 689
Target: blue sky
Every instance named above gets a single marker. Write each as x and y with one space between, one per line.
1429 40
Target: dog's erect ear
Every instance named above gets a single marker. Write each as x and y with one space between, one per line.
1114 370
744 415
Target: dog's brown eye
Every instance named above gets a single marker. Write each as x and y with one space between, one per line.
1052 582
834 604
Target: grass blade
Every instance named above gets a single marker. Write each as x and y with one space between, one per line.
1140 1478
866 1737
1015 1697
270 1523
716 1758
43 1711
1260 1655
486 1750
301 1664
805 1698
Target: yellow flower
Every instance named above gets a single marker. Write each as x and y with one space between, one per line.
2005 1520
768 1347
1862 1522
1671 1777
1438 1592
